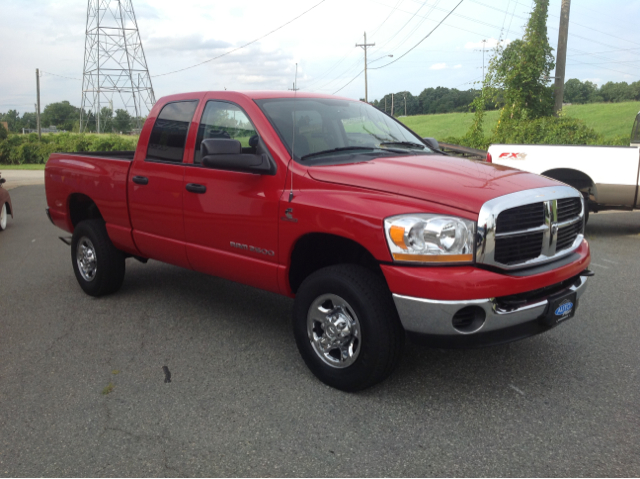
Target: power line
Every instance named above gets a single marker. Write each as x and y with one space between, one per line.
61 76
388 17
427 36
348 83
571 22
242 46
418 25
405 53
406 23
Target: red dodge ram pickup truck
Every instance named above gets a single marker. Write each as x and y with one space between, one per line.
333 203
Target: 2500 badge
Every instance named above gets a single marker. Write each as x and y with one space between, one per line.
253 249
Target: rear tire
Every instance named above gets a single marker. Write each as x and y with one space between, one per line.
347 328
99 267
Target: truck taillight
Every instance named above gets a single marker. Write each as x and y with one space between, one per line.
489 159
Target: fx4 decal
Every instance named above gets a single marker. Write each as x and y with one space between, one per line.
513 156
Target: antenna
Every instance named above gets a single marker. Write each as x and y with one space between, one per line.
293 139
114 62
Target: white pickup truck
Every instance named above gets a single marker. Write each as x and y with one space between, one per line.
607 176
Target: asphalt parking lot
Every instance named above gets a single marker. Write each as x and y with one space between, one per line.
83 393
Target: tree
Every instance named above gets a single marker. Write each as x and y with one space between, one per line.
29 120
3 132
122 122
106 120
517 78
576 91
617 92
62 115
12 117
521 71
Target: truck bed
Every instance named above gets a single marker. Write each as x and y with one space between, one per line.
100 176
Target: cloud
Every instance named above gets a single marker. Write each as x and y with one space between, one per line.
490 43
193 43
458 66
438 66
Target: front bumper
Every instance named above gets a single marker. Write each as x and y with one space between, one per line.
494 322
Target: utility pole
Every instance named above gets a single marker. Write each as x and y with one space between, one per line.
561 59
295 86
484 44
385 103
38 104
364 46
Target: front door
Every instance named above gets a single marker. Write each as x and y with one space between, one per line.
231 218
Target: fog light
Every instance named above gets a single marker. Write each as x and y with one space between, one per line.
469 320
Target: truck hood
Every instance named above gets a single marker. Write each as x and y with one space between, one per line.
456 182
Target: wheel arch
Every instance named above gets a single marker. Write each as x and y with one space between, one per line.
575 178
81 208
315 251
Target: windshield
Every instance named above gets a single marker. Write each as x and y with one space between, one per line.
326 128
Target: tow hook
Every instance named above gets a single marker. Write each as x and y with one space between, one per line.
588 273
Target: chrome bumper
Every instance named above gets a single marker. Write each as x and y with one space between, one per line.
435 318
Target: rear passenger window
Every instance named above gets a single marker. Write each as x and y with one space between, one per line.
169 133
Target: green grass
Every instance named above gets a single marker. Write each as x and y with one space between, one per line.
444 125
22 167
608 119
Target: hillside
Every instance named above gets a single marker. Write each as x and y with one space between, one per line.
608 119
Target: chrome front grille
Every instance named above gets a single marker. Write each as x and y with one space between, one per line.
530 227
569 208
516 249
520 218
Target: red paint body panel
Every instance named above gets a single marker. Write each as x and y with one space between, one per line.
103 180
468 282
458 182
161 220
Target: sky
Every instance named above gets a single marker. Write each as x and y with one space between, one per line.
604 44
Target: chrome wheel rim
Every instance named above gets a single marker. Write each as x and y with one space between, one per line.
334 331
86 259
3 216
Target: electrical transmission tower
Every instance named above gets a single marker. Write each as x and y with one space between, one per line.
114 64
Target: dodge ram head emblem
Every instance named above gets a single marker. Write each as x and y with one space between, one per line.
288 216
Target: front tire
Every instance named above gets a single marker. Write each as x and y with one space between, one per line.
347 328
99 267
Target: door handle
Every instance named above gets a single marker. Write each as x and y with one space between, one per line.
140 180
195 188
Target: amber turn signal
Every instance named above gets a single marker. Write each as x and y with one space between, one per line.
397 236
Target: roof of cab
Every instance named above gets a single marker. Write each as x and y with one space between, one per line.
253 95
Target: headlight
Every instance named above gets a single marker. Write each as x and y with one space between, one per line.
428 238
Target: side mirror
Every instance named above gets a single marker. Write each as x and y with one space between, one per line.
432 143
226 154
2 181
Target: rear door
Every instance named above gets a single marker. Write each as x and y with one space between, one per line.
156 186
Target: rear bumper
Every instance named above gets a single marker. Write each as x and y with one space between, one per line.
433 319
